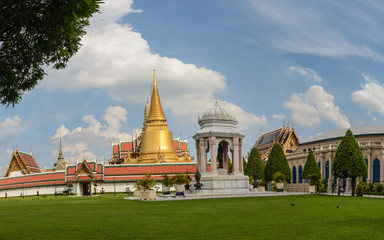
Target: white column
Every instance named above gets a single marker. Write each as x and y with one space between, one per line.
203 155
382 167
212 143
370 164
241 167
225 156
78 189
198 159
235 163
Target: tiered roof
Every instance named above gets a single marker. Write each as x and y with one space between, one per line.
23 162
124 151
285 136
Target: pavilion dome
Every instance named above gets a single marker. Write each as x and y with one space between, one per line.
217 112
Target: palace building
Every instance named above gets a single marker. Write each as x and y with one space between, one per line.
324 146
154 150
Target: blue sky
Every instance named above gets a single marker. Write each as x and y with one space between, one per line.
318 64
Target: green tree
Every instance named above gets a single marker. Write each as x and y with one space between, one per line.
349 161
244 164
37 33
229 165
277 162
255 163
311 169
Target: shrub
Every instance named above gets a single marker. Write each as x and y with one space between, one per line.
377 188
146 182
181 178
167 181
359 189
279 177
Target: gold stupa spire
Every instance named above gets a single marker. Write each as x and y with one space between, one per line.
157 137
155 111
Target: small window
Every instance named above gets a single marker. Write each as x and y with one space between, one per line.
304 150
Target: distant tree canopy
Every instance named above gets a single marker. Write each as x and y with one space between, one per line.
255 163
311 169
38 33
277 162
349 161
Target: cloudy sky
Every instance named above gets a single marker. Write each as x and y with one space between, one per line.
318 64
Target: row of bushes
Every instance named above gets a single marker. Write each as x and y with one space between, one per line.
369 188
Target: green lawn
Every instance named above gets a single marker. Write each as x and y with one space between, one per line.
112 217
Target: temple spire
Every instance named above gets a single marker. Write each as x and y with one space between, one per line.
155 111
61 157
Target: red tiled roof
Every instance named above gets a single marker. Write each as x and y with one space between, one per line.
183 146
33 179
115 149
175 144
126 146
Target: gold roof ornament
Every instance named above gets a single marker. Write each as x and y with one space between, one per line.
155 110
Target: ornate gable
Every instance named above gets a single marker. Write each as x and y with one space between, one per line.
22 162
84 172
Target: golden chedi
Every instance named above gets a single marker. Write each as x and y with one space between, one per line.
157 140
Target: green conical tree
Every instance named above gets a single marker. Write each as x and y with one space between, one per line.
255 163
349 161
277 162
244 164
311 169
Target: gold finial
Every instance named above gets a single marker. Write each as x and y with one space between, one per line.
155 111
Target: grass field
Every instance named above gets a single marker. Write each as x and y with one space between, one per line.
112 217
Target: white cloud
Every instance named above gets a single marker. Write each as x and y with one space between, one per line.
279 116
306 72
10 122
116 58
313 106
244 119
9 128
75 142
371 96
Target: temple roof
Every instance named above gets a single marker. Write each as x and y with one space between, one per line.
285 136
24 162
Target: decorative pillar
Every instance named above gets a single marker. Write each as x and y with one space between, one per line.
330 179
212 146
198 161
78 189
322 165
382 167
370 164
225 156
203 156
241 167
348 185
235 160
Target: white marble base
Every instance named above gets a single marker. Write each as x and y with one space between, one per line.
228 183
